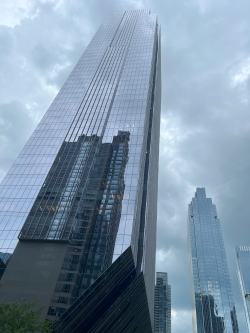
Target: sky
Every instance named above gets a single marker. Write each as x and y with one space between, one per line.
205 122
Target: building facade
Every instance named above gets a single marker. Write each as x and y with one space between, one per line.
213 306
84 188
243 272
162 307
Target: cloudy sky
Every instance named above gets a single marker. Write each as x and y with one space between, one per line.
205 127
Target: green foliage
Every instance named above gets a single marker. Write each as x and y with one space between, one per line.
22 317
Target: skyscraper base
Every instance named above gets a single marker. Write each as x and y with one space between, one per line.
115 303
32 273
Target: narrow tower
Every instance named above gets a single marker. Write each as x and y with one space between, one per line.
243 271
212 297
162 319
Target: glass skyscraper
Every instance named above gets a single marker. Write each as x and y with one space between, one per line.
243 271
162 309
211 292
83 191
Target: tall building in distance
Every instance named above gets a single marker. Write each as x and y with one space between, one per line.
78 208
243 271
211 291
162 308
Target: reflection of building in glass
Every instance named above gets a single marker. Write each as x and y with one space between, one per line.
162 305
115 303
211 320
4 259
2 268
83 192
91 207
243 270
212 298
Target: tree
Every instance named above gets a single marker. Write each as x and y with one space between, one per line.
22 317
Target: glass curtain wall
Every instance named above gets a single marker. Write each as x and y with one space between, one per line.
212 298
243 271
88 175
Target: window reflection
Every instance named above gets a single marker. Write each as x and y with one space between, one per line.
208 319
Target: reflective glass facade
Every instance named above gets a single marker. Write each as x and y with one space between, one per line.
243 271
114 303
162 307
211 291
87 177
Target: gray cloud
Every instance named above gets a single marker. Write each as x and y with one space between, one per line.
205 109
205 130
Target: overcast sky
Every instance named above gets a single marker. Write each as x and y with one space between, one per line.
205 126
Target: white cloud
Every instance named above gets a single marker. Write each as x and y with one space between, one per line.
13 11
137 4
243 74
181 321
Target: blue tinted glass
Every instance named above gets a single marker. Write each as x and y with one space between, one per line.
243 271
212 298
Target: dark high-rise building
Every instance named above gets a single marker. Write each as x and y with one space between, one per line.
162 308
211 291
81 198
243 271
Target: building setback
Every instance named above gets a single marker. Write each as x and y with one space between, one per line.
243 272
162 307
211 292
82 195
